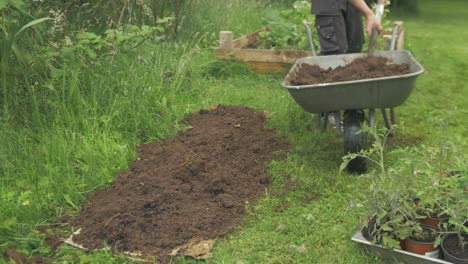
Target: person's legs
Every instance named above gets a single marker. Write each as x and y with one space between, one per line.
354 29
354 37
339 34
331 31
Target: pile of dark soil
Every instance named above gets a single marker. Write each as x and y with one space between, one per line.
359 69
195 185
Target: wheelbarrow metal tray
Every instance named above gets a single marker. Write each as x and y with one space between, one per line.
383 92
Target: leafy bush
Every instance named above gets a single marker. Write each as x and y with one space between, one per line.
287 28
38 39
97 16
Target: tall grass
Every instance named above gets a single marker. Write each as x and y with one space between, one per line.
15 53
86 120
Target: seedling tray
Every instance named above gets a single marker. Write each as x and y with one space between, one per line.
395 254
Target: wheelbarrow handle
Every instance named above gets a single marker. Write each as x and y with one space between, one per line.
309 35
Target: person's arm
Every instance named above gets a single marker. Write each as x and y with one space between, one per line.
371 19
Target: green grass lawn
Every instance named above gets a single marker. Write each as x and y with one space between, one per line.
72 145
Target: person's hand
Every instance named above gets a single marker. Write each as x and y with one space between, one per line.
373 23
371 19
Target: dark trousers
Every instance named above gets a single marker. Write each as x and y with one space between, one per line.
340 33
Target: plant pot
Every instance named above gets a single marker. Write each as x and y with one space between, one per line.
423 247
433 221
451 251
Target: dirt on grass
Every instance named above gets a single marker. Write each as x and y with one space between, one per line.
359 69
17 257
193 186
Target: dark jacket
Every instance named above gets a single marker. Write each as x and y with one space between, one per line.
328 7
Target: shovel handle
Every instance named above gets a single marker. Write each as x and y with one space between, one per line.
379 10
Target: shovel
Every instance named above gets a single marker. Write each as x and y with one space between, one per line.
378 13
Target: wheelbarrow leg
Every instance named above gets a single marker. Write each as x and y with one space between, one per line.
322 120
392 131
319 121
338 126
392 116
325 121
386 120
389 122
371 120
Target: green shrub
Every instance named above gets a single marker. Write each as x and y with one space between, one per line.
287 29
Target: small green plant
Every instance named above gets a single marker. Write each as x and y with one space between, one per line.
455 207
443 197
389 199
434 165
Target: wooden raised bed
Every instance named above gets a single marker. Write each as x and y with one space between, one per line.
269 61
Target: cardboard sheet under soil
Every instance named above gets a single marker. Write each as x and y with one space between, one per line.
184 191
359 69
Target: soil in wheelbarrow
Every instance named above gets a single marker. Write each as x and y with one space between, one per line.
193 186
359 69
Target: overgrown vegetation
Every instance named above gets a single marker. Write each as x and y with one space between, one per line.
287 28
80 90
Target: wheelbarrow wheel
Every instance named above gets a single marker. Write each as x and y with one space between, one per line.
354 141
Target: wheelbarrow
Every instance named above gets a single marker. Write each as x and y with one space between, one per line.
348 100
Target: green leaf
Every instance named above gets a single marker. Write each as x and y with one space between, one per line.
69 200
91 53
32 23
397 219
49 86
85 35
389 242
387 228
164 20
4 3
